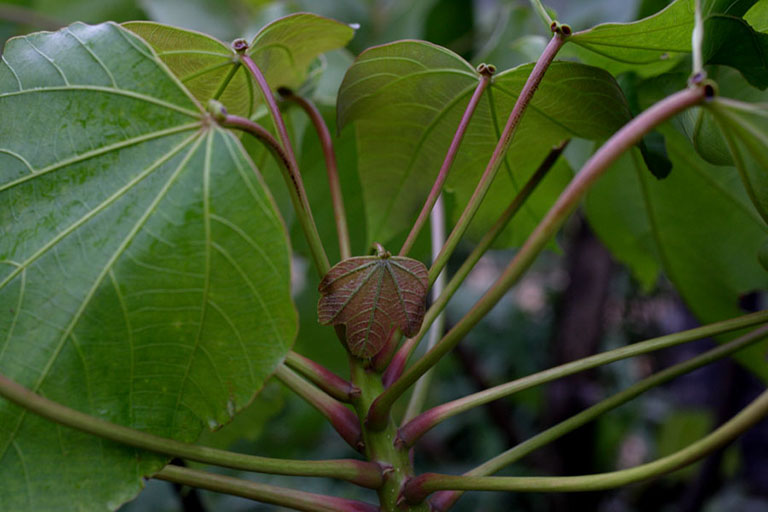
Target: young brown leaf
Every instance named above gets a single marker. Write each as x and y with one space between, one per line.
373 295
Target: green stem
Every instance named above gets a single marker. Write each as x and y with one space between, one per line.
338 388
342 419
416 428
497 159
297 500
326 141
296 184
485 79
620 142
443 501
542 12
750 415
359 472
754 412
293 182
420 390
697 41
223 85
379 445
395 369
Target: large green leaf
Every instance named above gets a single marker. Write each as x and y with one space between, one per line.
406 99
144 271
697 225
283 51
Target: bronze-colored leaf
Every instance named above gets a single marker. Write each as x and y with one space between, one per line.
373 295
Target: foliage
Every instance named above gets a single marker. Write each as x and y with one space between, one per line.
145 242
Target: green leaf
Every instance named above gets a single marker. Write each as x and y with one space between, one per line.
283 50
697 225
406 99
142 261
757 16
648 47
745 128
371 296
730 40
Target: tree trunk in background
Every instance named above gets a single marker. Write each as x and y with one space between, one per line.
577 334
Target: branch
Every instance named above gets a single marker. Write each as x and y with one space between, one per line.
494 164
295 183
342 419
485 79
417 488
416 428
361 473
330 165
395 369
443 501
297 500
620 142
338 388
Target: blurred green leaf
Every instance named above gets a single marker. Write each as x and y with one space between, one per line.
745 128
146 285
283 50
696 222
407 98
731 41
678 429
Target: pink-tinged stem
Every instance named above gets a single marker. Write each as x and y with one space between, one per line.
494 164
621 141
331 167
265 493
395 369
362 473
342 419
485 79
296 185
335 386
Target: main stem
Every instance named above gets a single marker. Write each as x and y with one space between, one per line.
380 444
621 141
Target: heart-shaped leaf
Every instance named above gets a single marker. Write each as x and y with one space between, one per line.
406 99
283 51
371 296
144 270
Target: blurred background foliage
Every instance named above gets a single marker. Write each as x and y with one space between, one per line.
573 303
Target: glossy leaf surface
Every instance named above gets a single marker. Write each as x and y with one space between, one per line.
283 51
144 270
407 98
371 296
